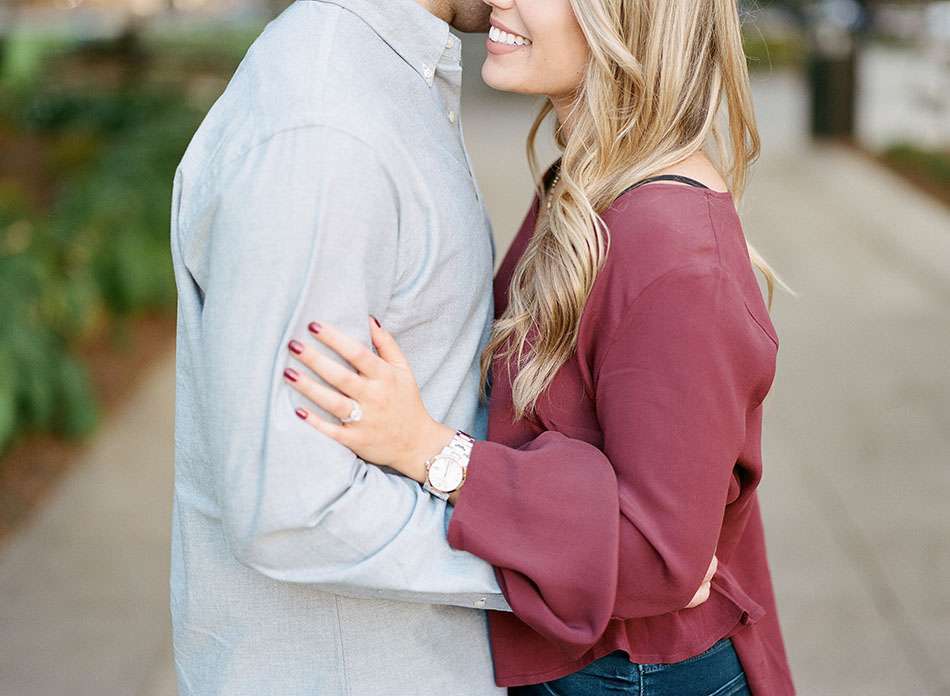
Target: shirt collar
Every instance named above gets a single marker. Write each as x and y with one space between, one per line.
418 36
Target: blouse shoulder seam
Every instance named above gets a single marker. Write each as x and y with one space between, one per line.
715 230
632 305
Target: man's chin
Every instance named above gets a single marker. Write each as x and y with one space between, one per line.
474 20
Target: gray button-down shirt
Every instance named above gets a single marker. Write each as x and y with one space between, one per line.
328 182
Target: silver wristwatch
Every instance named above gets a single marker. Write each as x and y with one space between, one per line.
445 472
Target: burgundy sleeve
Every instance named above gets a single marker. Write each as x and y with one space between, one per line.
671 397
546 517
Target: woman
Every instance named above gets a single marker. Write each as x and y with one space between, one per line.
631 354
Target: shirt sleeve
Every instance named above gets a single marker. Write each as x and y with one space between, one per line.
305 227
578 535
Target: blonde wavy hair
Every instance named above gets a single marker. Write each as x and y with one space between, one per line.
659 73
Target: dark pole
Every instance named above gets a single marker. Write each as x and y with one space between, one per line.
833 31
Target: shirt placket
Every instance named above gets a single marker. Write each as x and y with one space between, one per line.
448 80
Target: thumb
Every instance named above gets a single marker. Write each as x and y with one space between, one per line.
386 346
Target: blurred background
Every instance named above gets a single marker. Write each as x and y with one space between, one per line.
849 202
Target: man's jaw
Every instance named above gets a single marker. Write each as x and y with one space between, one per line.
443 9
467 16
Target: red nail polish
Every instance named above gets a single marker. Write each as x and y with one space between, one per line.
302 413
291 374
296 347
377 321
314 327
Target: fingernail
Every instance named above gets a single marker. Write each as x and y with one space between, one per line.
291 374
302 412
295 347
377 321
314 327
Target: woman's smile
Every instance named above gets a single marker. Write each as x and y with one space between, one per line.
501 40
535 47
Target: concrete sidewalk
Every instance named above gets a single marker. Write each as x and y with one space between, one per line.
856 436
84 585
857 426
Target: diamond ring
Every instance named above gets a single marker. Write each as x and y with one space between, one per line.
356 414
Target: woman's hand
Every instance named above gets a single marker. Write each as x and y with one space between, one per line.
395 428
702 594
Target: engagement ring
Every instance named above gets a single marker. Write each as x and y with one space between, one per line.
355 414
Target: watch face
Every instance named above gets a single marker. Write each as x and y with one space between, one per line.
446 473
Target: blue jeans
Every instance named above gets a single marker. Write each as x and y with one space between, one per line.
713 672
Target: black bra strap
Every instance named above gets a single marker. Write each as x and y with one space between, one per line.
667 177
550 174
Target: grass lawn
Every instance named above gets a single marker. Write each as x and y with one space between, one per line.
929 169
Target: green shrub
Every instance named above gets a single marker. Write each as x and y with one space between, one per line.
41 386
99 254
25 56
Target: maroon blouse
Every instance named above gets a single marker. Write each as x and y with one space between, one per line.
601 516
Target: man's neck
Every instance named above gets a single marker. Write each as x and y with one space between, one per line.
442 9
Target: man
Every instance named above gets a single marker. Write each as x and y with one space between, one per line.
329 180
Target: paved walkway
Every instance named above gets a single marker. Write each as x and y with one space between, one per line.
84 586
858 425
857 431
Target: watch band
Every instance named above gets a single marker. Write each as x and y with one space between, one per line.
460 446
462 443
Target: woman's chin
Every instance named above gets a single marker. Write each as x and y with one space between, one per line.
500 79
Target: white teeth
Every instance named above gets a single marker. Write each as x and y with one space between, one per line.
499 36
